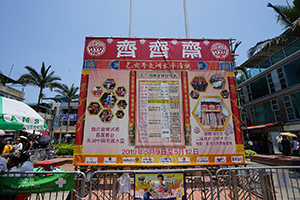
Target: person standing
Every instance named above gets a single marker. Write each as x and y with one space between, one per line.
3 164
25 164
8 148
18 146
286 146
28 145
2 145
295 147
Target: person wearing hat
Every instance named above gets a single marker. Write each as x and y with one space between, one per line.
18 146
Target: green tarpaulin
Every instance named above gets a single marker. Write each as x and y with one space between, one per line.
41 183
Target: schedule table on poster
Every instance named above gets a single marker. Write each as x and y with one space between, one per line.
160 121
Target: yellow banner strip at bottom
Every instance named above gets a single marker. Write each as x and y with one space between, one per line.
157 160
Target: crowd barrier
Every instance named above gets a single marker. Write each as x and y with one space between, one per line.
225 183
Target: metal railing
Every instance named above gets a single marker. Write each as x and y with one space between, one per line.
259 183
226 183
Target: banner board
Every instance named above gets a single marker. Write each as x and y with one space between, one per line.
154 101
170 185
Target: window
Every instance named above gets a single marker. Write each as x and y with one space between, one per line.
275 109
264 113
292 48
295 98
270 83
266 64
281 78
249 92
244 115
292 72
288 107
259 88
277 57
252 114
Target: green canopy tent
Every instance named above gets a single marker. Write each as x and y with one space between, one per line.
16 115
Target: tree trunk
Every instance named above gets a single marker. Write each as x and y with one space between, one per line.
39 100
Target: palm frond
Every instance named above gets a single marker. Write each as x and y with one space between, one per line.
282 13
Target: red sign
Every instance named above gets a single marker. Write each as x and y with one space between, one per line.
156 49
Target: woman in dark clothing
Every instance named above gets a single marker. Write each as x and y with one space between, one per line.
286 146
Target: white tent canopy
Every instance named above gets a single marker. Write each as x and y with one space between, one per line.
30 132
15 115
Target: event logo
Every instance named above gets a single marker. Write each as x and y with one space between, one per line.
219 50
202 160
197 130
91 160
237 159
129 160
220 159
166 160
96 48
147 160
110 160
184 160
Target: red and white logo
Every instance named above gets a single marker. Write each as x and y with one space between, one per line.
96 48
219 50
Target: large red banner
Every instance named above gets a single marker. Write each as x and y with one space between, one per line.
155 101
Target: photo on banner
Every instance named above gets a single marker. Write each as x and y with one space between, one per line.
157 185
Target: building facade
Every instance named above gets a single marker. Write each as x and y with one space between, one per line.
270 98
61 120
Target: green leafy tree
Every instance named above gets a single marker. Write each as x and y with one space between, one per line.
42 80
289 18
68 94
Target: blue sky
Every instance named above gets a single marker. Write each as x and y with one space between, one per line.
54 31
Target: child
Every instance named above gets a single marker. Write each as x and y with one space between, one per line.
146 194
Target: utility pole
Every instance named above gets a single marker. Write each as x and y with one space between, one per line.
130 19
187 34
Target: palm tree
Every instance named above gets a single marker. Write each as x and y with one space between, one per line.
44 79
68 94
238 69
289 17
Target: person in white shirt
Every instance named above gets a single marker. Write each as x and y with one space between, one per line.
3 164
18 146
25 164
295 147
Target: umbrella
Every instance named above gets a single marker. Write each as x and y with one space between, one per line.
288 134
23 137
44 140
14 115
67 135
2 132
7 138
